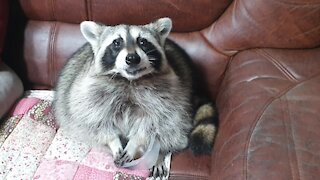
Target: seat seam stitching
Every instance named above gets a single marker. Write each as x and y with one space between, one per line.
278 65
286 129
295 158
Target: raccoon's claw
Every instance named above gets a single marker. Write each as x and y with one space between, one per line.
158 172
122 157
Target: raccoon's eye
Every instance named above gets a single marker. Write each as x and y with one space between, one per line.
142 41
117 43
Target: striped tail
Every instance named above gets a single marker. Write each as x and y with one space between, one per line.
203 135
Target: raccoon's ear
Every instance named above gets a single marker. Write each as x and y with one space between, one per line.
162 26
91 31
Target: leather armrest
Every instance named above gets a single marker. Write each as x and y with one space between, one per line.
11 88
269 106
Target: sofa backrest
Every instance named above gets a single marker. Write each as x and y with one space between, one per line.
211 31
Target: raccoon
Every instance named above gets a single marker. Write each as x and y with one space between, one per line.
130 83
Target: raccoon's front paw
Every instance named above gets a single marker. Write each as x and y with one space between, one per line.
159 171
122 157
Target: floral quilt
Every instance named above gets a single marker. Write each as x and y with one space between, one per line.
33 147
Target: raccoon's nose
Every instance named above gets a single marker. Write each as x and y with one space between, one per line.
133 59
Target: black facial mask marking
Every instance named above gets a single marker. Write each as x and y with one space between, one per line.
151 51
111 53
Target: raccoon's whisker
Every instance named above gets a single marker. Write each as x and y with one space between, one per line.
152 59
152 50
113 75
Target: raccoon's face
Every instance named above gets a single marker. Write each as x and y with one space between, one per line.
129 51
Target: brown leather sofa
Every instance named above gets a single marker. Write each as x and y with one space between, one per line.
260 60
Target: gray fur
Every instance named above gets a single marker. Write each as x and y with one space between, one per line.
99 106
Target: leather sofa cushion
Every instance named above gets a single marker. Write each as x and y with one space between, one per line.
47 47
10 88
191 16
263 23
269 116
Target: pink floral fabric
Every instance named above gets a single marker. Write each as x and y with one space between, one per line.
32 147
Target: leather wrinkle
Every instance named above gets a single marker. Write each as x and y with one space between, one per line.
170 3
229 139
52 5
303 33
259 116
227 71
224 72
211 45
212 27
88 7
277 64
51 52
234 109
246 12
